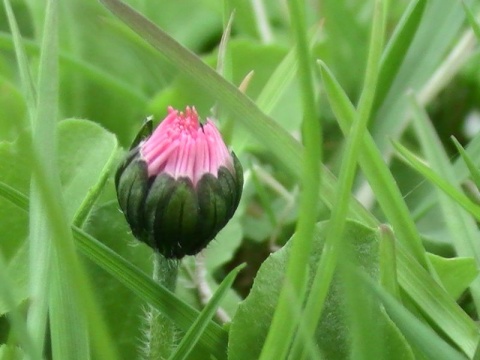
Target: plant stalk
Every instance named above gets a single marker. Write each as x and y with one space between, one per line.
160 331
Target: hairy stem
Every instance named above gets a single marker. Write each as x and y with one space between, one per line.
160 332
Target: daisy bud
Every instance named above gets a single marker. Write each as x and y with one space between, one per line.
180 186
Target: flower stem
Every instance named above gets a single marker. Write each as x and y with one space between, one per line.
161 331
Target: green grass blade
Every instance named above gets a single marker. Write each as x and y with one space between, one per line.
421 167
281 78
284 322
397 49
90 71
462 227
214 339
471 19
41 233
198 327
474 172
436 304
388 261
66 340
417 333
376 171
22 61
327 263
461 172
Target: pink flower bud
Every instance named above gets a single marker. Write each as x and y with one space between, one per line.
179 187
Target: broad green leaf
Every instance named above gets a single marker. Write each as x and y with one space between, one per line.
84 149
16 320
251 322
18 276
456 274
9 352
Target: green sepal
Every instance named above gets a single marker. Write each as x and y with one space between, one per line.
132 189
144 132
176 220
213 209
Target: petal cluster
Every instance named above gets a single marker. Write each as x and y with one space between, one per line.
182 147
180 186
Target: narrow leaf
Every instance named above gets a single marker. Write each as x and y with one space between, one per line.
198 327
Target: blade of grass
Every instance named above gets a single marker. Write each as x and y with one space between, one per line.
463 229
326 266
66 341
86 69
474 172
471 19
215 338
272 136
22 61
376 171
397 49
397 213
41 234
282 77
421 167
284 322
198 327
435 303
416 332
388 261
461 172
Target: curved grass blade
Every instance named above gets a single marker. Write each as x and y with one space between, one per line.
198 327
417 333
471 19
422 168
474 172
397 49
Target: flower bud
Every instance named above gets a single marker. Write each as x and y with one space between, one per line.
180 186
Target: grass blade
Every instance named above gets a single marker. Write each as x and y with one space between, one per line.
327 263
198 327
462 227
471 19
284 322
397 49
417 333
421 167
376 171
474 172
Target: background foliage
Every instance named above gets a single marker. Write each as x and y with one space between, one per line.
385 84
